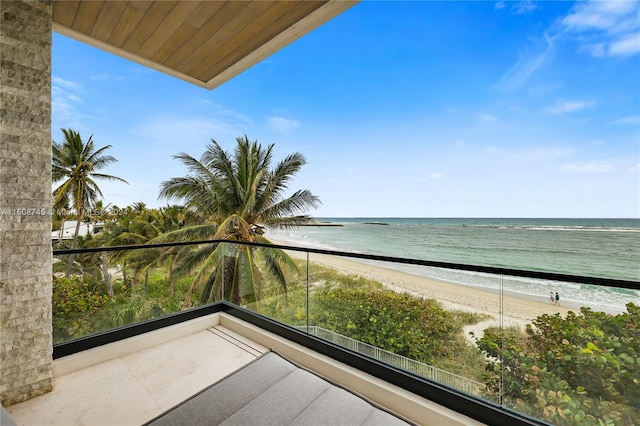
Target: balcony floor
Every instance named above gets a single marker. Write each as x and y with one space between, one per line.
131 381
134 388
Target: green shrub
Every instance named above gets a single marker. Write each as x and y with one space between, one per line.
400 323
74 302
582 369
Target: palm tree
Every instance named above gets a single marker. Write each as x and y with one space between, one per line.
75 162
140 227
236 196
59 216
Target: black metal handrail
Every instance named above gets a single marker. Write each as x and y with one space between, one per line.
553 276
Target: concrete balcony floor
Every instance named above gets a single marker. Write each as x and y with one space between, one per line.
133 388
131 381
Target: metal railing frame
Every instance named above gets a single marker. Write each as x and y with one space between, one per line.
599 281
447 378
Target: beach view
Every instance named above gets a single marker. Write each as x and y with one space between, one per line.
467 302
607 248
433 206
509 304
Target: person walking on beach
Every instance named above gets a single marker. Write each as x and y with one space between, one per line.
552 298
557 301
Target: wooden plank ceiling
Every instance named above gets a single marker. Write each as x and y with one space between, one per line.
204 42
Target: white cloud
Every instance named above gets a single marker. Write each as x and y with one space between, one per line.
600 15
228 114
436 176
589 168
598 50
631 119
499 5
605 28
61 102
565 106
625 46
601 28
117 77
64 103
523 7
635 169
487 118
65 84
527 64
281 124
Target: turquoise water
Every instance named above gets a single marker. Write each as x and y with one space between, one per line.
608 248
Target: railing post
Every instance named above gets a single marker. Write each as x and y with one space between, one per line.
307 285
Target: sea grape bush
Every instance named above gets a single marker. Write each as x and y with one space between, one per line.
582 369
415 328
74 301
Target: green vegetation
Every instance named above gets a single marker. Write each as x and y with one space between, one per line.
75 303
362 309
400 323
82 305
234 197
583 369
75 163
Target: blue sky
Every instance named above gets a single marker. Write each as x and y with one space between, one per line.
402 109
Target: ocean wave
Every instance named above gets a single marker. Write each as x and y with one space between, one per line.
608 299
546 227
579 228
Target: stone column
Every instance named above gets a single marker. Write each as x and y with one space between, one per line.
25 200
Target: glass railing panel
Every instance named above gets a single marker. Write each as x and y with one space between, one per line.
78 294
269 281
98 291
577 359
405 315
500 338
571 358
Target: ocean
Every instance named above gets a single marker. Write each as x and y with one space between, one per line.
607 248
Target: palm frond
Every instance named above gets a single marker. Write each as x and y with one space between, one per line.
240 193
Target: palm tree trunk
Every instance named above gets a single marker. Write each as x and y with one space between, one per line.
106 274
172 261
80 213
136 279
74 244
61 233
124 273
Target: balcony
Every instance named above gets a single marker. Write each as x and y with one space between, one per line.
135 379
135 371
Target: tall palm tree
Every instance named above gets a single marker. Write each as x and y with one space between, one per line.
236 196
75 163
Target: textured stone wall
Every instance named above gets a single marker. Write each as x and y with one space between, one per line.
25 200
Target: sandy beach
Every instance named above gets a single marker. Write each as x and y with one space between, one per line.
506 310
